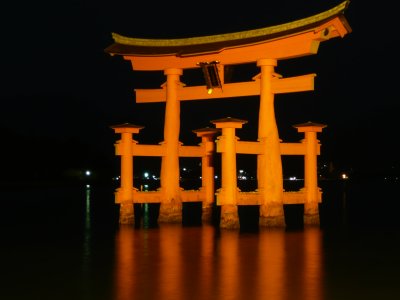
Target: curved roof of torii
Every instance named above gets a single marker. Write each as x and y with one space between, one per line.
215 43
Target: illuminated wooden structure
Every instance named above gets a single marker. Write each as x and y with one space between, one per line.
265 47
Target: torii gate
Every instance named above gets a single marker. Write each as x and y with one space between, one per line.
265 47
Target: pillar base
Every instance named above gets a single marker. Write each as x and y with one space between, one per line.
126 213
206 214
272 215
278 221
229 217
311 214
170 213
311 220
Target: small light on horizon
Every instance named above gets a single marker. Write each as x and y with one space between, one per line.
344 176
88 173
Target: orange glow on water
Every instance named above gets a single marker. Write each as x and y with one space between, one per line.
313 275
174 262
170 263
271 265
227 266
126 263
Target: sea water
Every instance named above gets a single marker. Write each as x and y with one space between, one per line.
65 243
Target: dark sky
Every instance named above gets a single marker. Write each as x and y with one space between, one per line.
58 83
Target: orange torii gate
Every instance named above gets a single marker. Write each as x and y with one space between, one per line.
264 47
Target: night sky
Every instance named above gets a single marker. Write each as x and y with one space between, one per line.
59 87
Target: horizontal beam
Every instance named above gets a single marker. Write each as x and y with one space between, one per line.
158 150
141 150
293 84
254 198
243 198
157 196
191 151
148 197
193 196
292 148
242 147
296 149
248 147
245 147
148 150
292 46
229 90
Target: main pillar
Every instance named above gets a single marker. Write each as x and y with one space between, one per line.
269 163
311 211
171 202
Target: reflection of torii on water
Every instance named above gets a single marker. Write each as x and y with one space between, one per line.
265 47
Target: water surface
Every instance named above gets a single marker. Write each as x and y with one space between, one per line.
65 243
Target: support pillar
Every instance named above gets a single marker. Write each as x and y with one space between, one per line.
311 211
207 171
124 194
171 202
269 163
227 195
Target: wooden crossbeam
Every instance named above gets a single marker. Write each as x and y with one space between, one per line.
242 147
229 90
249 147
159 150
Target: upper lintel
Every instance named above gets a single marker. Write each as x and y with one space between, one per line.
215 43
